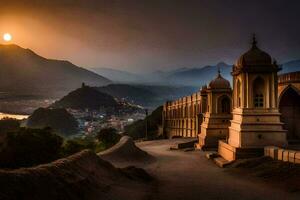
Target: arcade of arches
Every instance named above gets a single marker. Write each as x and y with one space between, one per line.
289 104
261 109
183 117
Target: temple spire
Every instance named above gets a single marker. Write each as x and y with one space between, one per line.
254 41
219 72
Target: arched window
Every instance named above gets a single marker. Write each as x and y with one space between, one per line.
258 92
289 107
259 100
224 105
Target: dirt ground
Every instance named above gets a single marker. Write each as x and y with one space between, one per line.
189 175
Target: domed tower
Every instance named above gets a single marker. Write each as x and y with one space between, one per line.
217 115
256 120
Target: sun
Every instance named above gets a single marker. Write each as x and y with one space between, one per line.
7 37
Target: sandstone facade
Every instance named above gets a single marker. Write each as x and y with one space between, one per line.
264 109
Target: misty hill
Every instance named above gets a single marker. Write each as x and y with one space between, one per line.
118 75
149 96
59 120
195 77
22 70
291 66
86 97
185 76
198 76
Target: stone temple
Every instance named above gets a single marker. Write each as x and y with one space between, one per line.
261 109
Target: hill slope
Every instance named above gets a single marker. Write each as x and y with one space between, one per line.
59 120
86 97
198 76
81 176
185 76
137 129
118 75
149 96
21 70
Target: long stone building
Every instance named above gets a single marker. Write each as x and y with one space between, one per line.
261 109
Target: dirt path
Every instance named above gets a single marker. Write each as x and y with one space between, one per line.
189 175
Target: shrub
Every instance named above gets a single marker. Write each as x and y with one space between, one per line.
137 129
78 144
9 125
59 120
28 147
108 137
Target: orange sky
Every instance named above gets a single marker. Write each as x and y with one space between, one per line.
140 35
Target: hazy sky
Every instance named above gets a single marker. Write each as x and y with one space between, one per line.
149 35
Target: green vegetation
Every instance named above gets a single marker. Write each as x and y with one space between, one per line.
8 125
25 147
108 137
58 119
77 144
137 130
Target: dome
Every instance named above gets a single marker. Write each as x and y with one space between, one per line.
254 56
219 83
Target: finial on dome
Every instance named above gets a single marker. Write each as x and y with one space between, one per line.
254 41
219 72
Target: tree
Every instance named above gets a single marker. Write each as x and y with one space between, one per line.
8 125
59 120
108 136
28 147
138 129
78 144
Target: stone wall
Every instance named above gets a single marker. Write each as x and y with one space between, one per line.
180 117
285 155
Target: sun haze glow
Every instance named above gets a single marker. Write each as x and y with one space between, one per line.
7 37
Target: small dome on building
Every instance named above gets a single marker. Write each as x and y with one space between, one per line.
219 82
254 56
204 87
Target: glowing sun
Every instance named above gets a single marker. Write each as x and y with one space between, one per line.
7 37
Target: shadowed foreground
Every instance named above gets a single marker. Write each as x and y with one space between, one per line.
81 176
178 175
189 175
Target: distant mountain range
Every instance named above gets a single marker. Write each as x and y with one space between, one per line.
25 74
292 66
23 71
195 77
149 96
118 75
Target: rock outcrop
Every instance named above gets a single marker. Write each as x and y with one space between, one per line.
125 151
